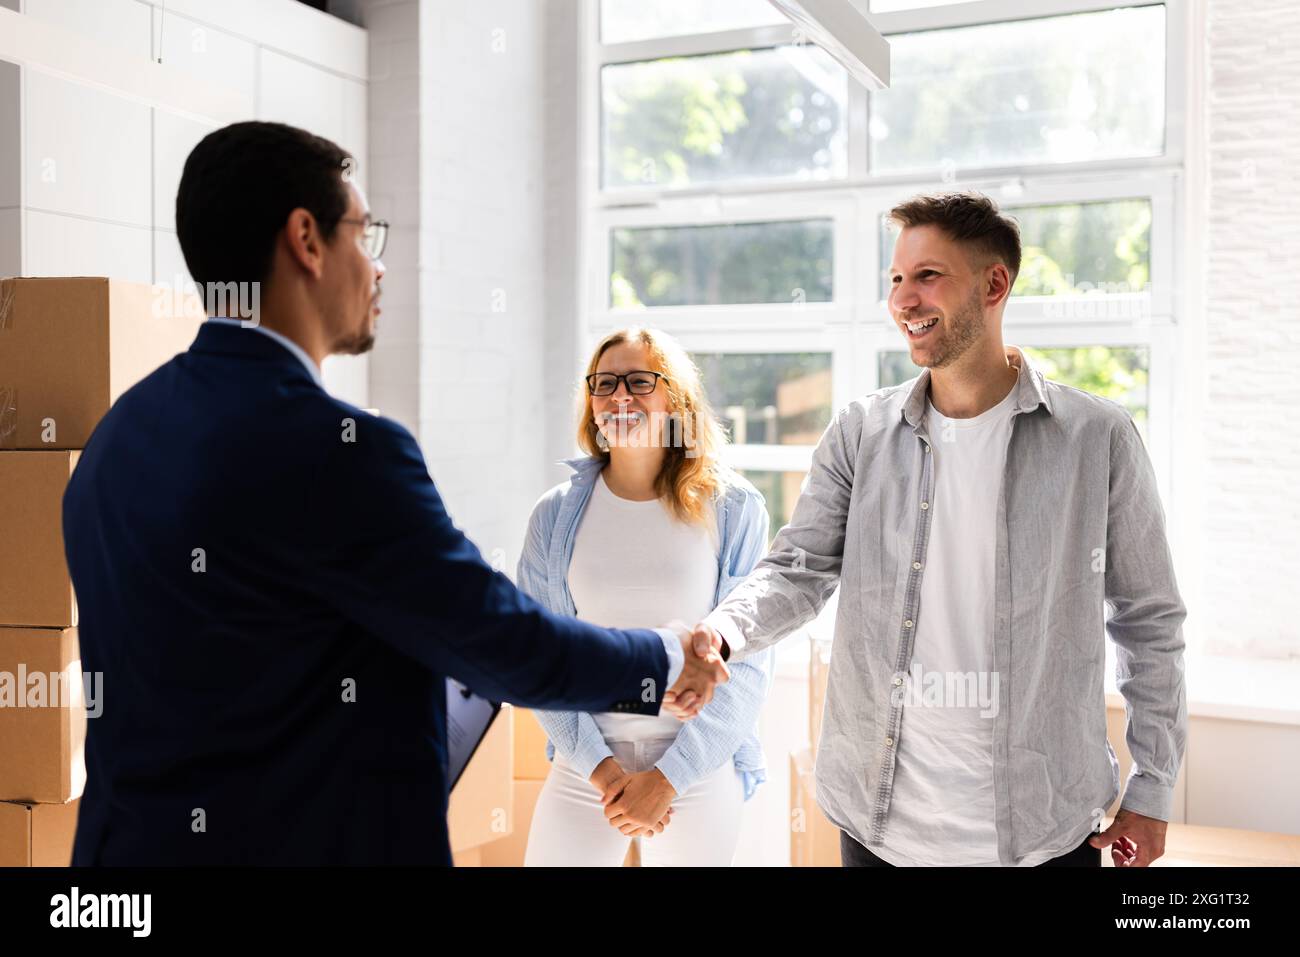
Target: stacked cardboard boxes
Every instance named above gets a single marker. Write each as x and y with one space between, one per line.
68 349
480 813
529 768
814 841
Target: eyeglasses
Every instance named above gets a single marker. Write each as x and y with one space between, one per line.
374 235
639 382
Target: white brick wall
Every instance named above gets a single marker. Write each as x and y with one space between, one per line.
1252 432
457 166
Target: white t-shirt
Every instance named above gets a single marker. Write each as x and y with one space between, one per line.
635 565
942 811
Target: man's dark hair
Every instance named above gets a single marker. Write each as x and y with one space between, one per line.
237 190
970 218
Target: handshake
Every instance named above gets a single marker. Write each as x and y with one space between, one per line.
703 670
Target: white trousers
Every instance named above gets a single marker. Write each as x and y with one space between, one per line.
570 829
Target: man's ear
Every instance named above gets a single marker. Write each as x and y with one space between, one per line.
997 283
303 239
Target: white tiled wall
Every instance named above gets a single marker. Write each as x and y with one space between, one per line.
59 245
174 136
123 24
88 177
209 53
86 152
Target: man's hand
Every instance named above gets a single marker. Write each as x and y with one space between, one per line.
606 773
639 801
1137 839
702 671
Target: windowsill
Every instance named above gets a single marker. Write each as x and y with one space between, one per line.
1240 689
1264 690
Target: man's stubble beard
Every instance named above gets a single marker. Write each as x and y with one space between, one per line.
357 343
966 328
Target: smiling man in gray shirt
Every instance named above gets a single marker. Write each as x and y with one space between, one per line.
979 520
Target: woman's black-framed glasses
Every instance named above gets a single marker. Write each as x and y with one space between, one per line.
374 235
638 382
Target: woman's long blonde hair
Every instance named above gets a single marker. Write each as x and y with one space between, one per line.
687 483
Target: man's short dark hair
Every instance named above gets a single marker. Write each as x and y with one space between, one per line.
970 218
237 190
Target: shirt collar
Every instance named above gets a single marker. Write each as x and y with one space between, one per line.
1029 390
285 341
584 465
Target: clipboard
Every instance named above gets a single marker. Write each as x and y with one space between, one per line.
468 718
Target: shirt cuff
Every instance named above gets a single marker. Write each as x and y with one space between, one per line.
676 661
1148 797
676 771
729 631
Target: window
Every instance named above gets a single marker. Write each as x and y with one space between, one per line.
1061 89
750 114
728 263
781 490
769 398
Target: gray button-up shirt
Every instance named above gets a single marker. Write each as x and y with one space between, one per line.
1079 528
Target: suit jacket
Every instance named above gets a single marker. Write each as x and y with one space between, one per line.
274 594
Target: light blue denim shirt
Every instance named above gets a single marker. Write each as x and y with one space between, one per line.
726 727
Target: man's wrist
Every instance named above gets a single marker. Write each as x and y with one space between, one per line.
676 658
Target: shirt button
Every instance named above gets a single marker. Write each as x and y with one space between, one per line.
916 565
908 623
898 681
889 742
925 505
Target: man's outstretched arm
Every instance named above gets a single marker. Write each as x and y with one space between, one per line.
392 560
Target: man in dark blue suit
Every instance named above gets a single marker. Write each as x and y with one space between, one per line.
267 577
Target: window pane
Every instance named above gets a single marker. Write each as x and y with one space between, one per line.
1087 86
769 398
1071 248
1116 372
781 489
760 114
624 20
714 265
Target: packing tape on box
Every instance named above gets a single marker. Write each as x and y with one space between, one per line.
8 293
8 413
8 394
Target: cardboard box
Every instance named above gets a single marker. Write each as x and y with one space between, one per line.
70 347
819 669
814 841
509 851
35 588
42 716
37 835
479 809
530 748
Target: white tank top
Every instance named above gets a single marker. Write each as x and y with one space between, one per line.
635 565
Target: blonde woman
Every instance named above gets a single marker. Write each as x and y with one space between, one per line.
651 527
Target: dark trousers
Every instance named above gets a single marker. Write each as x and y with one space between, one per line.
853 854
